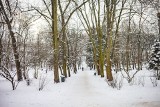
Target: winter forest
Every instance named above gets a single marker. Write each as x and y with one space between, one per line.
79 53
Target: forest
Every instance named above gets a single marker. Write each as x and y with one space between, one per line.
102 43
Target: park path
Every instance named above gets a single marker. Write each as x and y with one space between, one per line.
81 90
87 90
92 91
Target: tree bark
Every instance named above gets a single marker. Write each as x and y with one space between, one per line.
64 66
55 40
0 52
110 6
16 55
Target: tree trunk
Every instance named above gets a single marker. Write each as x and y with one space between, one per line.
74 67
69 74
16 55
64 52
98 68
108 61
127 44
99 32
139 56
0 52
55 40
110 20
64 60
127 54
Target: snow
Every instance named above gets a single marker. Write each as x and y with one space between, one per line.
83 89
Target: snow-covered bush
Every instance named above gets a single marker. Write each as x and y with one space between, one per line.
133 82
10 76
154 62
154 81
129 76
42 82
141 81
117 81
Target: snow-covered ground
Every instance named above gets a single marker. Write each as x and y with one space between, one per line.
81 90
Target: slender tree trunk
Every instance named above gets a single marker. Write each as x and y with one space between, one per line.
127 54
139 56
64 52
108 61
64 65
127 44
67 58
99 32
0 52
146 56
101 58
98 68
61 70
96 62
110 6
16 55
55 40
24 59
138 45
68 69
74 67
1 46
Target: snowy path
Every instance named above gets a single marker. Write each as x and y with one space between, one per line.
81 90
84 93
87 90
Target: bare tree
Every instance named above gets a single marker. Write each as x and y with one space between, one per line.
8 16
